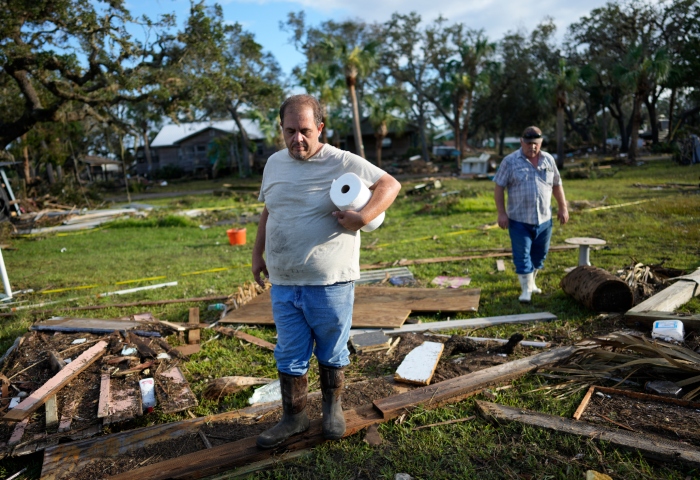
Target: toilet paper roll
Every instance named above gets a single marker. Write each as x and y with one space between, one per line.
349 193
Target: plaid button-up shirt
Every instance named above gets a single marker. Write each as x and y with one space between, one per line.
529 188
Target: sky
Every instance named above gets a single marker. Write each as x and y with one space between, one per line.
262 17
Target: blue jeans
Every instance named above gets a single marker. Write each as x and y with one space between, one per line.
308 314
530 245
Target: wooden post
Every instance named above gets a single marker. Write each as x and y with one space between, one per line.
51 407
193 334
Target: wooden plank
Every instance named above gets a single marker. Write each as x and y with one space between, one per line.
370 341
193 336
211 461
30 404
124 403
67 417
647 319
584 403
473 323
462 387
51 410
86 325
173 390
103 403
18 432
418 367
183 327
230 332
377 307
670 298
61 460
650 446
188 350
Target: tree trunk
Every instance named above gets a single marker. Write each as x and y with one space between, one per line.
421 132
619 117
359 147
605 132
147 151
245 144
651 110
671 106
634 128
560 136
25 162
324 134
598 290
380 134
126 180
49 173
465 129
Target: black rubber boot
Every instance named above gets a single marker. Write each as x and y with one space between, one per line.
294 418
332 380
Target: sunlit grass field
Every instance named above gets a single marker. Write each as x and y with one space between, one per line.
663 225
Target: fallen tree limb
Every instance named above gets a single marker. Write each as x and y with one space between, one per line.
648 445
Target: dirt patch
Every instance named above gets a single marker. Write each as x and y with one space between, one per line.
666 420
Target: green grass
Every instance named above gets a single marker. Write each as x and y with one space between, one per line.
666 228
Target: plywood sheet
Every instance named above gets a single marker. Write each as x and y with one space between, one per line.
86 325
375 307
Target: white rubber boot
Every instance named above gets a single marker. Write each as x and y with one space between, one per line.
525 281
533 287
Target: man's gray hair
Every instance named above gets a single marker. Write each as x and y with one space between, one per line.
303 100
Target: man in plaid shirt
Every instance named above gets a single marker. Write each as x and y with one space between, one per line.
531 178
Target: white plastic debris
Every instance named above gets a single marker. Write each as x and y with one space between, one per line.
126 351
67 360
670 330
14 402
163 356
78 341
64 249
269 393
148 393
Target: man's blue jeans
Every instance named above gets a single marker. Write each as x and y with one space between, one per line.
304 315
530 245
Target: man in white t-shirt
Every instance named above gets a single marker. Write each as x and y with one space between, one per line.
312 254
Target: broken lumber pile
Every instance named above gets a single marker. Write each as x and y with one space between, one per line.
243 452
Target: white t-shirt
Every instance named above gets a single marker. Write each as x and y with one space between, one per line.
304 243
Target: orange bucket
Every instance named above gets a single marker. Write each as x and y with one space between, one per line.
236 236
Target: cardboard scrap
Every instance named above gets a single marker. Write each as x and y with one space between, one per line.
419 365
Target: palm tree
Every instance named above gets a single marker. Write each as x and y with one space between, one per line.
563 82
642 70
325 83
355 61
387 108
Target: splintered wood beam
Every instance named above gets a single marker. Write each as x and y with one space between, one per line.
30 404
221 458
650 446
61 461
462 387
670 298
230 332
18 432
193 336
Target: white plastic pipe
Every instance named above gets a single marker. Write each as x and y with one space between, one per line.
5 279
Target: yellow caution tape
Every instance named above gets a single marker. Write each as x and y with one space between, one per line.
124 282
83 287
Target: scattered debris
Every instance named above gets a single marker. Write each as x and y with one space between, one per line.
386 275
269 393
668 450
228 385
500 266
372 436
670 298
229 332
419 365
451 282
370 342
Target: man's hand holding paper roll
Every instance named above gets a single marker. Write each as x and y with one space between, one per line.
351 220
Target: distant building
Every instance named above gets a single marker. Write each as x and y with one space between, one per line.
395 145
197 147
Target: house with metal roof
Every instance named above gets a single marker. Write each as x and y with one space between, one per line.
203 147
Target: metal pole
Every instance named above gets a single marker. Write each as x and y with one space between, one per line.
5 279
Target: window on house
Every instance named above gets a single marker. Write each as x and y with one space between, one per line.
386 142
